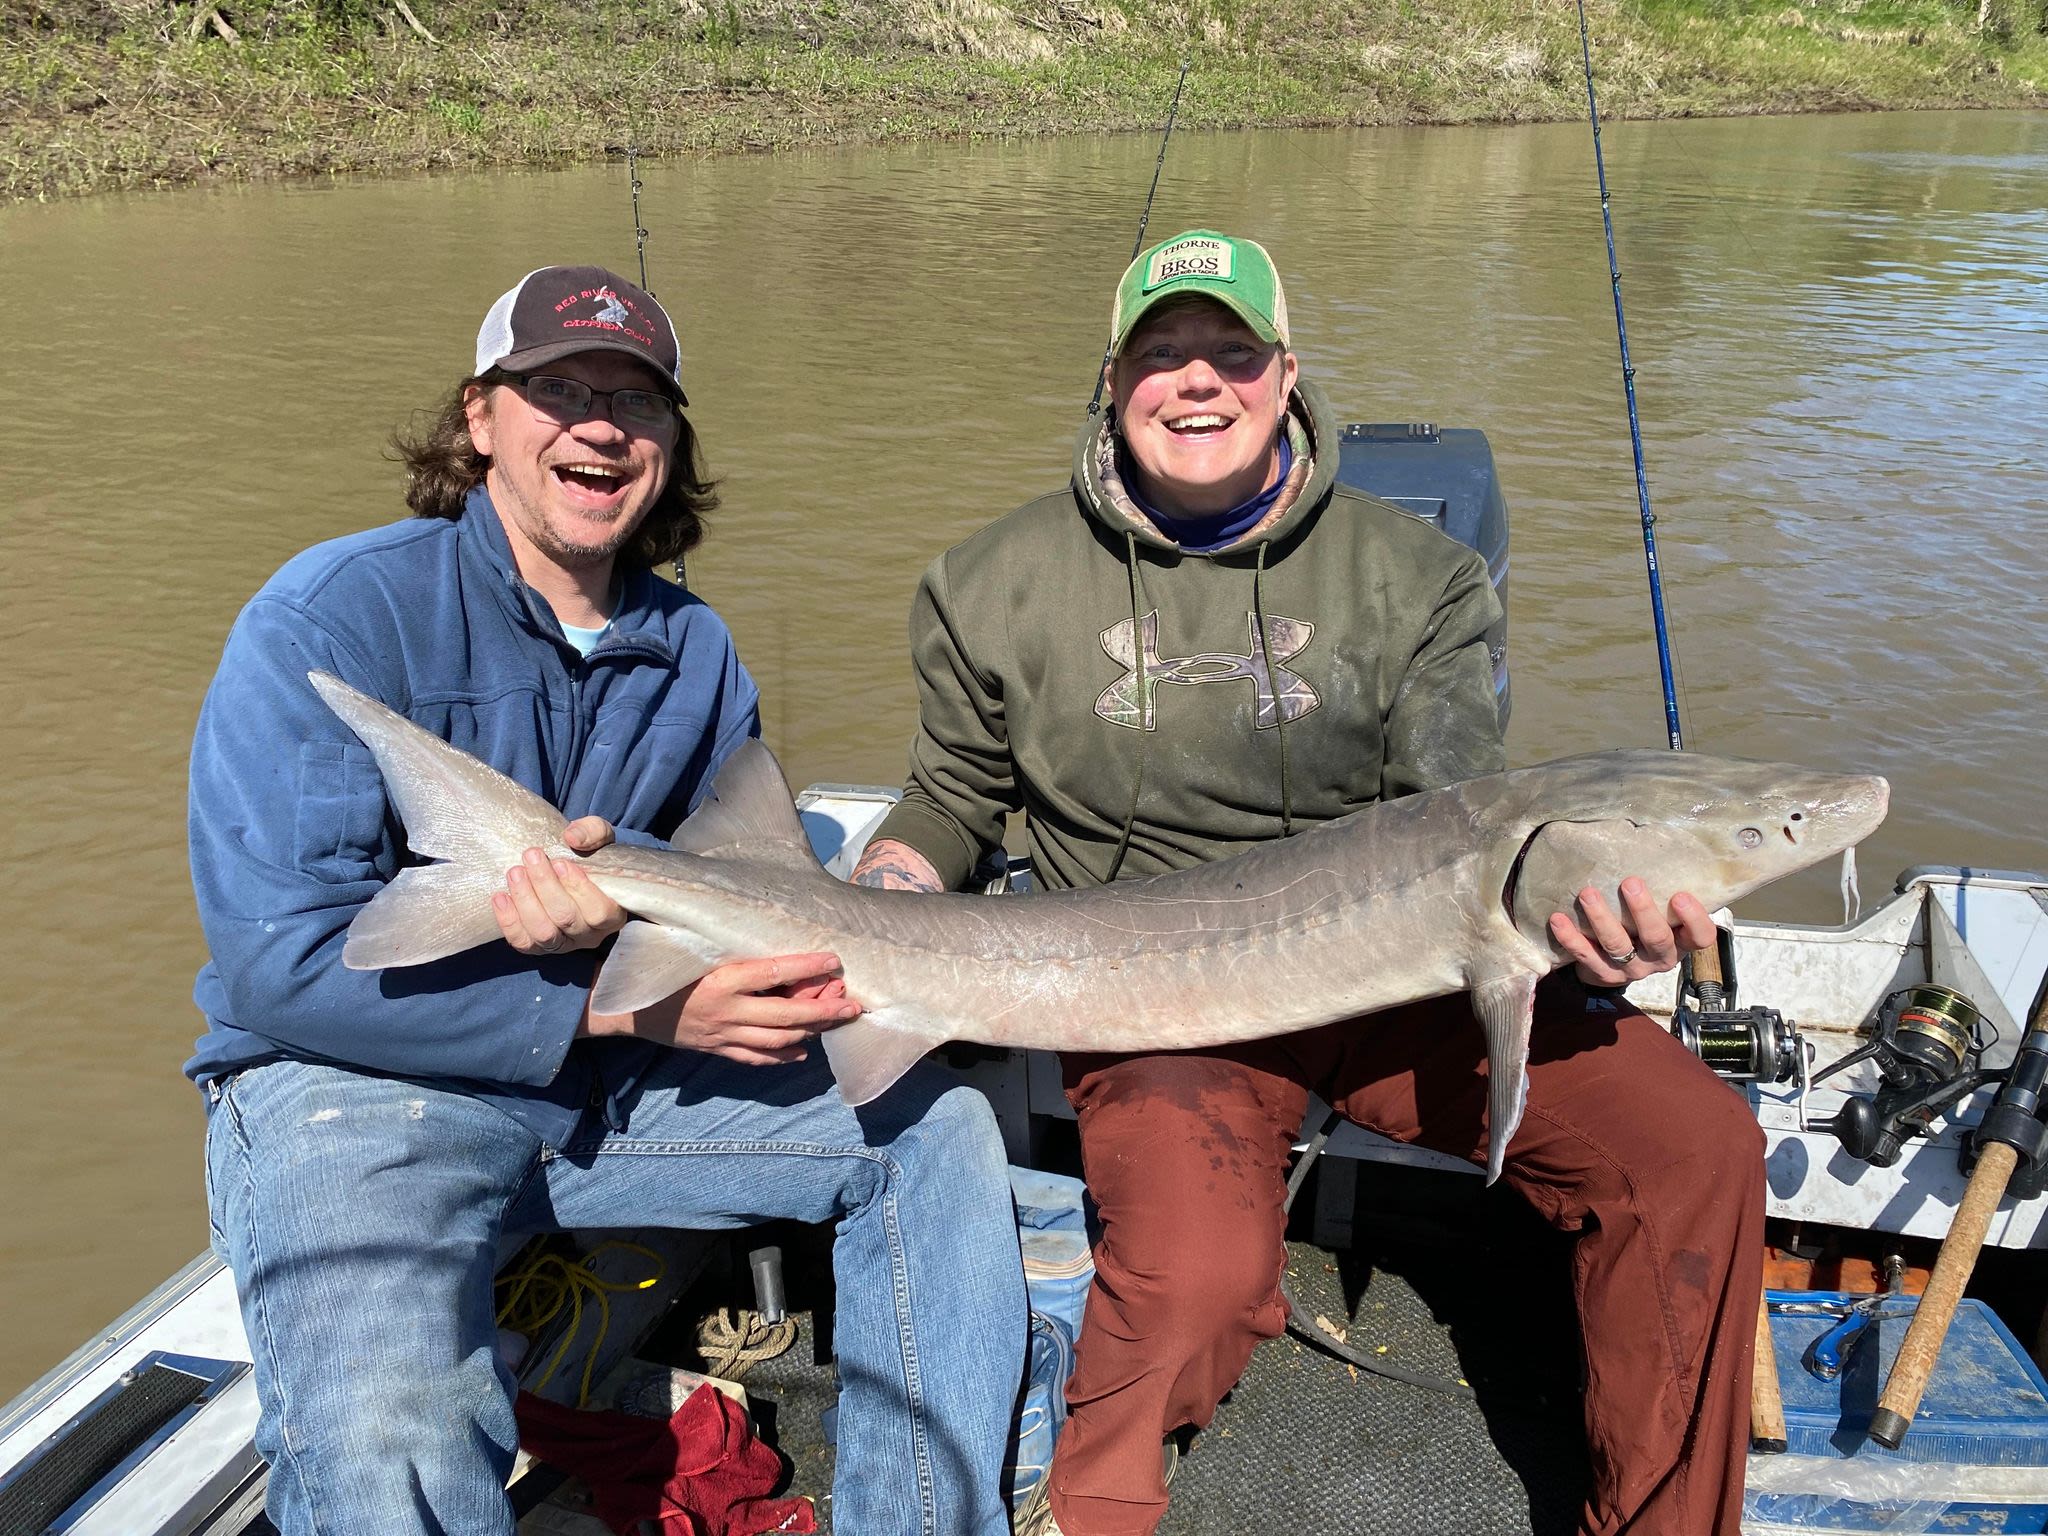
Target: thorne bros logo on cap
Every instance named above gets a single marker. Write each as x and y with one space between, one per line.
1238 274
1197 256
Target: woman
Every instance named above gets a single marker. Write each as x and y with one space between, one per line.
1323 651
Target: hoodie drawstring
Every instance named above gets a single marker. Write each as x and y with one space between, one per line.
1144 684
1279 699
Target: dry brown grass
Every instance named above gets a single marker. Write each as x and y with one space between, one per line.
110 93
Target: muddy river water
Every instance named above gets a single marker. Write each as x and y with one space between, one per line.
1840 324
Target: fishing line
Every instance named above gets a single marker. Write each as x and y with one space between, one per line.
1665 132
1144 218
633 186
1317 1332
1311 1331
1635 427
1673 141
639 229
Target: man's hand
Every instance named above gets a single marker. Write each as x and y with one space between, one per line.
892 865
1613 951
757 1012
549 907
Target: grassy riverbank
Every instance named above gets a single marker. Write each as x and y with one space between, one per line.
98 94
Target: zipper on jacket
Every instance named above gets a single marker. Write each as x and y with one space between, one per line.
576 671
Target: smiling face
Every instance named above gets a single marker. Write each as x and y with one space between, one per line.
569 496
1199 401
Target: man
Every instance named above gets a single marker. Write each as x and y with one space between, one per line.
373 1136
1324 651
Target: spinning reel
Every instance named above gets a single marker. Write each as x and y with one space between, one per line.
1925 1047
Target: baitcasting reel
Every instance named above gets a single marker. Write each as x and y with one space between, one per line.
1749 1045
1741 1045
1924 1043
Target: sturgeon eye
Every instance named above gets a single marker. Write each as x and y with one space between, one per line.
1750 837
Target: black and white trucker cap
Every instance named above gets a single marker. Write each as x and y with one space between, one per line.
556 311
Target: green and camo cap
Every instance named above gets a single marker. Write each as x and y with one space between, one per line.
1237 274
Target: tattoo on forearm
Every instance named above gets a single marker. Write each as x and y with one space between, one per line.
889 871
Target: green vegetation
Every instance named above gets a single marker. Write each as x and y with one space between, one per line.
97 94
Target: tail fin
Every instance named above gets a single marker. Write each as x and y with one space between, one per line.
454 808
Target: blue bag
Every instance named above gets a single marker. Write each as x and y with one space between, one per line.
1052 1228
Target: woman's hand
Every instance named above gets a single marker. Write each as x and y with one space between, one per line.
758 1012
1613 951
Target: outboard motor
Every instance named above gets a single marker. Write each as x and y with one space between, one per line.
1445 477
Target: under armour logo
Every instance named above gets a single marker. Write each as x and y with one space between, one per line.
1132 699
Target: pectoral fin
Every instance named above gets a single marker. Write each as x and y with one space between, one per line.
647 963
1506 1008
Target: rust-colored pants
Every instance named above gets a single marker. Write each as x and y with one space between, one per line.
1628 1141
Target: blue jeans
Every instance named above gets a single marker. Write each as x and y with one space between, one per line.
362 1217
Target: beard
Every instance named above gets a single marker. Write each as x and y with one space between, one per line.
546 524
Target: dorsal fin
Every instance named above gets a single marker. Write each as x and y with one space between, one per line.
749 812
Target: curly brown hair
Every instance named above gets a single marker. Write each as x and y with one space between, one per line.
442 467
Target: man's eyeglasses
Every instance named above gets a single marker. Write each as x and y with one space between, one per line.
569 401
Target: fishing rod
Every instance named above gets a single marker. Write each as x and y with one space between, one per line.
1144 218
1767 1433
1635 427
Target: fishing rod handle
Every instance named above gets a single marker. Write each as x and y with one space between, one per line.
1900 1399
1766 1404
1708 981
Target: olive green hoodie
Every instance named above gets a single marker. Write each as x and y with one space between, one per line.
1374 679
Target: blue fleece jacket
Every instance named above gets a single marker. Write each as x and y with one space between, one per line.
292 833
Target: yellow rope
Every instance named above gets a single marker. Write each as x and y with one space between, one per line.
534 1294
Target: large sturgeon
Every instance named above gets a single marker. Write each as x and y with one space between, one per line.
1434 893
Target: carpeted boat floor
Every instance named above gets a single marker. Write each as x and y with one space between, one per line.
1447 1280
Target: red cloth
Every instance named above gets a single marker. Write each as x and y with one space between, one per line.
699 1473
